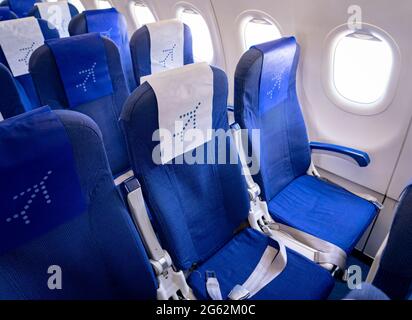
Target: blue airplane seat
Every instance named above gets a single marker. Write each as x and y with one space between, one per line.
84 73
20 7
13 100
160 46
59 14
66 217
266 99
7 14
22 36
394 274
112 24
197 208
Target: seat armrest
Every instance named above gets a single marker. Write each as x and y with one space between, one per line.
361 157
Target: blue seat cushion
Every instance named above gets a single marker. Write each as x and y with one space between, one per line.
324 210
233 264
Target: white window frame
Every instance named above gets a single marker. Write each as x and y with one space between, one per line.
365 109
245 17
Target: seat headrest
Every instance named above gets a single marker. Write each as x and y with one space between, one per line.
161 46
40 188
21 7
280 61
58 14
19 38
83 68
7 14
111 24
184 101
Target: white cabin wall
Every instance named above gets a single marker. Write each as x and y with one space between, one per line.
311 21
89 4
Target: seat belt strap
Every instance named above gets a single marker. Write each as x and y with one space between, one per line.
314 172
171 283
271 264
317 250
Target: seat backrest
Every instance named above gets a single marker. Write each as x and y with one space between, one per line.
60 212
7 14
20 7
109 23
84 73
13 100
394 275
58 14
160 46
18 40
197 205
266 99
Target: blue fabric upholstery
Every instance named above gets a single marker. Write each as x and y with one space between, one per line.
111 24
301 279
7 14
13 99
140 50
280 121
87 77
20 7
34 196
394 275
105 110
25 84
368 292
266 99
99 251
324 210
197 208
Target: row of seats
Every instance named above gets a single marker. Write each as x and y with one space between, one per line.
146 54
85 73
196 220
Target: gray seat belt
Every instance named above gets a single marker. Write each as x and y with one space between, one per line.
320 251
272 263
171 283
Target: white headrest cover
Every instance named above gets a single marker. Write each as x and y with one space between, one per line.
185 101
57 14
166 45
19 38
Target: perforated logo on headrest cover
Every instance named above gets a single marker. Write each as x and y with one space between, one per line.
83 67
39 189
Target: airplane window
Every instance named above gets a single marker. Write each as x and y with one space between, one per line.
259 31
142 13
103 4
362 67
202 40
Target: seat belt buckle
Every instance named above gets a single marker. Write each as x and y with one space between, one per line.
239 293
